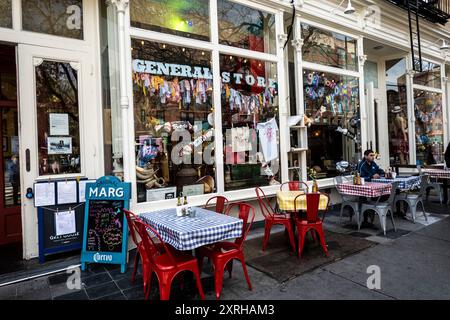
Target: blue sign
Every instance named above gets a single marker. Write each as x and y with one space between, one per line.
105 238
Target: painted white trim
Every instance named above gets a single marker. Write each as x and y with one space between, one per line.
327 69
425 88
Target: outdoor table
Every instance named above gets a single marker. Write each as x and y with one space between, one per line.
440 174
285 200
187 233
404 183
368 189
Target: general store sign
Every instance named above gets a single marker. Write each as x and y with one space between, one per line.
196 72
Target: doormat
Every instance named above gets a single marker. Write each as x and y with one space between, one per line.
281 263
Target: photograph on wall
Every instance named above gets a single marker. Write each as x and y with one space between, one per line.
59 145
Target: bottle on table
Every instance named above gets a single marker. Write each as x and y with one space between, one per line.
185 201
315 187
179 201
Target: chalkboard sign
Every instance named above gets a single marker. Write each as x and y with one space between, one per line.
105 225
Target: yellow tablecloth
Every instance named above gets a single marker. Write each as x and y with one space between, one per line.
286 199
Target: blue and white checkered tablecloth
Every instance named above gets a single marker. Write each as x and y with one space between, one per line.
186 233
405 183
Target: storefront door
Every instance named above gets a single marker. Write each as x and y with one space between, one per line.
10 222
55 86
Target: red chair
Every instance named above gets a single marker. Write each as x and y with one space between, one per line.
166 265
312 222
271 218
221 204
295 186
223 253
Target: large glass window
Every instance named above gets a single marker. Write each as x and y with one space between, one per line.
249 122
174 121
430 75
397 111
57 118
187 18
56 17
429 127
5 14
332 111
329 48
244 27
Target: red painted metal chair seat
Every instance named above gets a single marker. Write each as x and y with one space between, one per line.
272 218
222 254
312 222
165 265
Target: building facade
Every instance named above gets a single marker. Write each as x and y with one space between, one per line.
211 97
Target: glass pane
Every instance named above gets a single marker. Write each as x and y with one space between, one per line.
57 118
430 76
250 122
334 133
57 17
244 27
371 73
11 167
329 48
187 18
5 14
397 111
174 121
429 127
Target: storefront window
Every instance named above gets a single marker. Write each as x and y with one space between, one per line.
397 111
187 18
429 127
244 27
5 14
174 121
430 76
56 17
332 110
57 118
329 48
249 122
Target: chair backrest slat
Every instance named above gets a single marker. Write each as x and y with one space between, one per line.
312 207
246 211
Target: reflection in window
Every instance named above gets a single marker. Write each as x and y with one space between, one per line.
174 121
244 27
397 111
57 118
249 122
332 110
5 14
10 157
430 75
329 48
57 17
429 127
187 18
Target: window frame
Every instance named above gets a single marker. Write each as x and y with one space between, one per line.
216 50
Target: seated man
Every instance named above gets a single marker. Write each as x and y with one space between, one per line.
368 169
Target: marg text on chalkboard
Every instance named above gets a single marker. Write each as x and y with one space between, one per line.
105 226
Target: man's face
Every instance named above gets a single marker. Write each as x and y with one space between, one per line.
370 157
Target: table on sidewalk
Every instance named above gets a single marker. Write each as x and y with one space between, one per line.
187 233
440 174
285 201
368 189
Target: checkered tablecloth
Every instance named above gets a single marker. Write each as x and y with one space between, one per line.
437 173
286 199
404 183
369 189
186 233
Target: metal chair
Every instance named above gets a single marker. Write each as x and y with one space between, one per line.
414 199
295 186
431 185
348 201
382 209
221 204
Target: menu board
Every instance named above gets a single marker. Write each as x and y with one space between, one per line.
105 226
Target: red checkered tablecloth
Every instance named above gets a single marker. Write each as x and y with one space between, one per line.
437 173
369 189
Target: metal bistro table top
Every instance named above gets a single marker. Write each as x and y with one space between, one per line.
187 233
437 173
